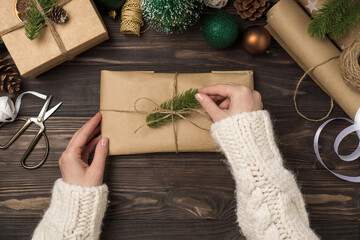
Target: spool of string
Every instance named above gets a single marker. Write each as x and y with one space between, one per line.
350 65
131 17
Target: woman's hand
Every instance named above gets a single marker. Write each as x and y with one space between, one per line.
236 99
74 161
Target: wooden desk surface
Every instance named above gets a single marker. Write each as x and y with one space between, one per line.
187 195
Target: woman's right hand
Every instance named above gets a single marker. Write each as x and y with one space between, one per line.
236 99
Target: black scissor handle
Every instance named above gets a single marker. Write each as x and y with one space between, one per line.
31 147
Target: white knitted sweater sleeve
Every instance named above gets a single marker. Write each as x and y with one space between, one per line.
75 212
269 202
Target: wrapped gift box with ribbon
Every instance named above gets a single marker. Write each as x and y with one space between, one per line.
127 97
58 42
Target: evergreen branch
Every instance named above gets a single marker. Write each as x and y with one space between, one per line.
180 102
349 21
35 22
336 18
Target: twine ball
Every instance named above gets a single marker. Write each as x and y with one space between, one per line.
220 30
350 65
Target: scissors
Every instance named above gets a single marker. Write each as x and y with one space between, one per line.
39 121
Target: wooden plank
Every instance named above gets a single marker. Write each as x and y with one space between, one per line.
172 193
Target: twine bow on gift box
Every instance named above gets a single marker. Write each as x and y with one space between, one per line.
171 113
49 23
355 127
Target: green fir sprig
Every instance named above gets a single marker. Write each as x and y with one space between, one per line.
180 102
336 18
35 22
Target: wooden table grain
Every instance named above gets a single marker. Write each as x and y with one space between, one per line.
186 195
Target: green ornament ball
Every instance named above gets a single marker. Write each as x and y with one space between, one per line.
108 5
220 30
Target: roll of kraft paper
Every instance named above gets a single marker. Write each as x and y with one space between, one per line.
288 23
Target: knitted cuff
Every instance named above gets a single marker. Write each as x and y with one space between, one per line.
247 139
270 205
75 212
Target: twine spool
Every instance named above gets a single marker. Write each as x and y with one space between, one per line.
216 3
350 65
131 17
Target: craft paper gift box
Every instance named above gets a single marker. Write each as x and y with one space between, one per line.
83 30
120 90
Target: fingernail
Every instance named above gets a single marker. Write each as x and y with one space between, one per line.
198 97
104 142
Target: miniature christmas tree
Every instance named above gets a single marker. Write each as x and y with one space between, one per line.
171 16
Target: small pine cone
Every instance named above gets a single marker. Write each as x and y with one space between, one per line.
251 9
58 15
9 77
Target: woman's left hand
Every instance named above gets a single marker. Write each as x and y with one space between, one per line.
73 162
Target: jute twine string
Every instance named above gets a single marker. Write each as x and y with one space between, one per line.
297 89
131 17
169 113
49 23
350 65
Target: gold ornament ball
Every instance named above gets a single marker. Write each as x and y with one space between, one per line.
256 40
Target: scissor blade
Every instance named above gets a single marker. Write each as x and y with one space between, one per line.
51 111
44 108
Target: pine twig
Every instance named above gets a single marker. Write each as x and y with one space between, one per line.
184 100
35 22
348 22
336 18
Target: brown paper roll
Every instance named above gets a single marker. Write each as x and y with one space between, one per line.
119 91
287 23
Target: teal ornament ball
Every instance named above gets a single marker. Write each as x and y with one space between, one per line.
220 30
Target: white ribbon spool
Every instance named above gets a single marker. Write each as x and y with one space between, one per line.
9 111
355 127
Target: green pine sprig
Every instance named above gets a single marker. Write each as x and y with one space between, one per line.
180 102
336 18
35 22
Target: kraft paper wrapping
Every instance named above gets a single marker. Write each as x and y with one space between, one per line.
119 91
287 23
314 5
83 30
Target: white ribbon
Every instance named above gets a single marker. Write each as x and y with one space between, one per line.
9 111
355 127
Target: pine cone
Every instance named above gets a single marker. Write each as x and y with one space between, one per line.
10 78
58 15
251 9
